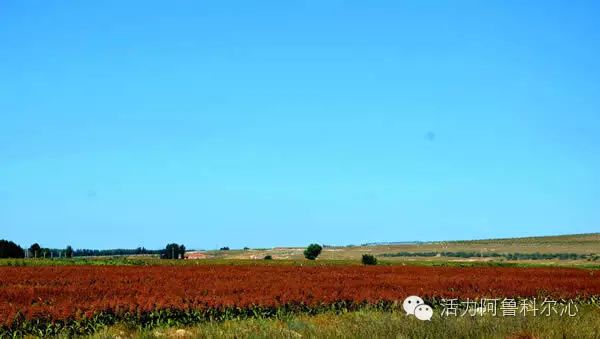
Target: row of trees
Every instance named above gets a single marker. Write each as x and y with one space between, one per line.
37 251
173 251
113 252
9 249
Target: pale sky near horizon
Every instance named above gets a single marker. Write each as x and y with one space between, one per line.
278 123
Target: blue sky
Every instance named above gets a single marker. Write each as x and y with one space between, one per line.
267 123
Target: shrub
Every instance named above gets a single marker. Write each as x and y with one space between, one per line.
268 257
312 251
368 259
226 248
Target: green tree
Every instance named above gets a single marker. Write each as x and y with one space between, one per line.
181 251
9 249
35 250
368 259
171 251
69 252
312 251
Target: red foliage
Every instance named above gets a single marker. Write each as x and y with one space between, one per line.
62 292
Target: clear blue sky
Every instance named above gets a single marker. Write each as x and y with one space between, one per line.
258 123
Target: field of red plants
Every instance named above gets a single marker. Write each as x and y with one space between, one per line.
62 293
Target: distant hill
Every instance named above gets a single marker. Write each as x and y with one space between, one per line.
567 238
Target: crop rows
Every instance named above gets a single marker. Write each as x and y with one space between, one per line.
65 294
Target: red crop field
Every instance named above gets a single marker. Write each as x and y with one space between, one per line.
64 293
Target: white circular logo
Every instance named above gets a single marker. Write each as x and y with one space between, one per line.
410 303
423 312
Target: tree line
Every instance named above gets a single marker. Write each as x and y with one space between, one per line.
111 252
9 249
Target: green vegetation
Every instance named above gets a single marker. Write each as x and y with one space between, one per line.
312 251
508 256
574 239
368 259
372 323
173 317
339 320
35 250
102 261
586 246
114 252
173 251
565 251
578 249
9 249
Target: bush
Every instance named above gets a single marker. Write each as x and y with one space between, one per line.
368 259
312 251
226 248
268 257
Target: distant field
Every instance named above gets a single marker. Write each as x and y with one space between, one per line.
585 246
582 250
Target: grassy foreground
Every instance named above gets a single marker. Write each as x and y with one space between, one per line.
381 324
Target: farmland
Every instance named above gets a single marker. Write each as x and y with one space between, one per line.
564 250
236 293
84 299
